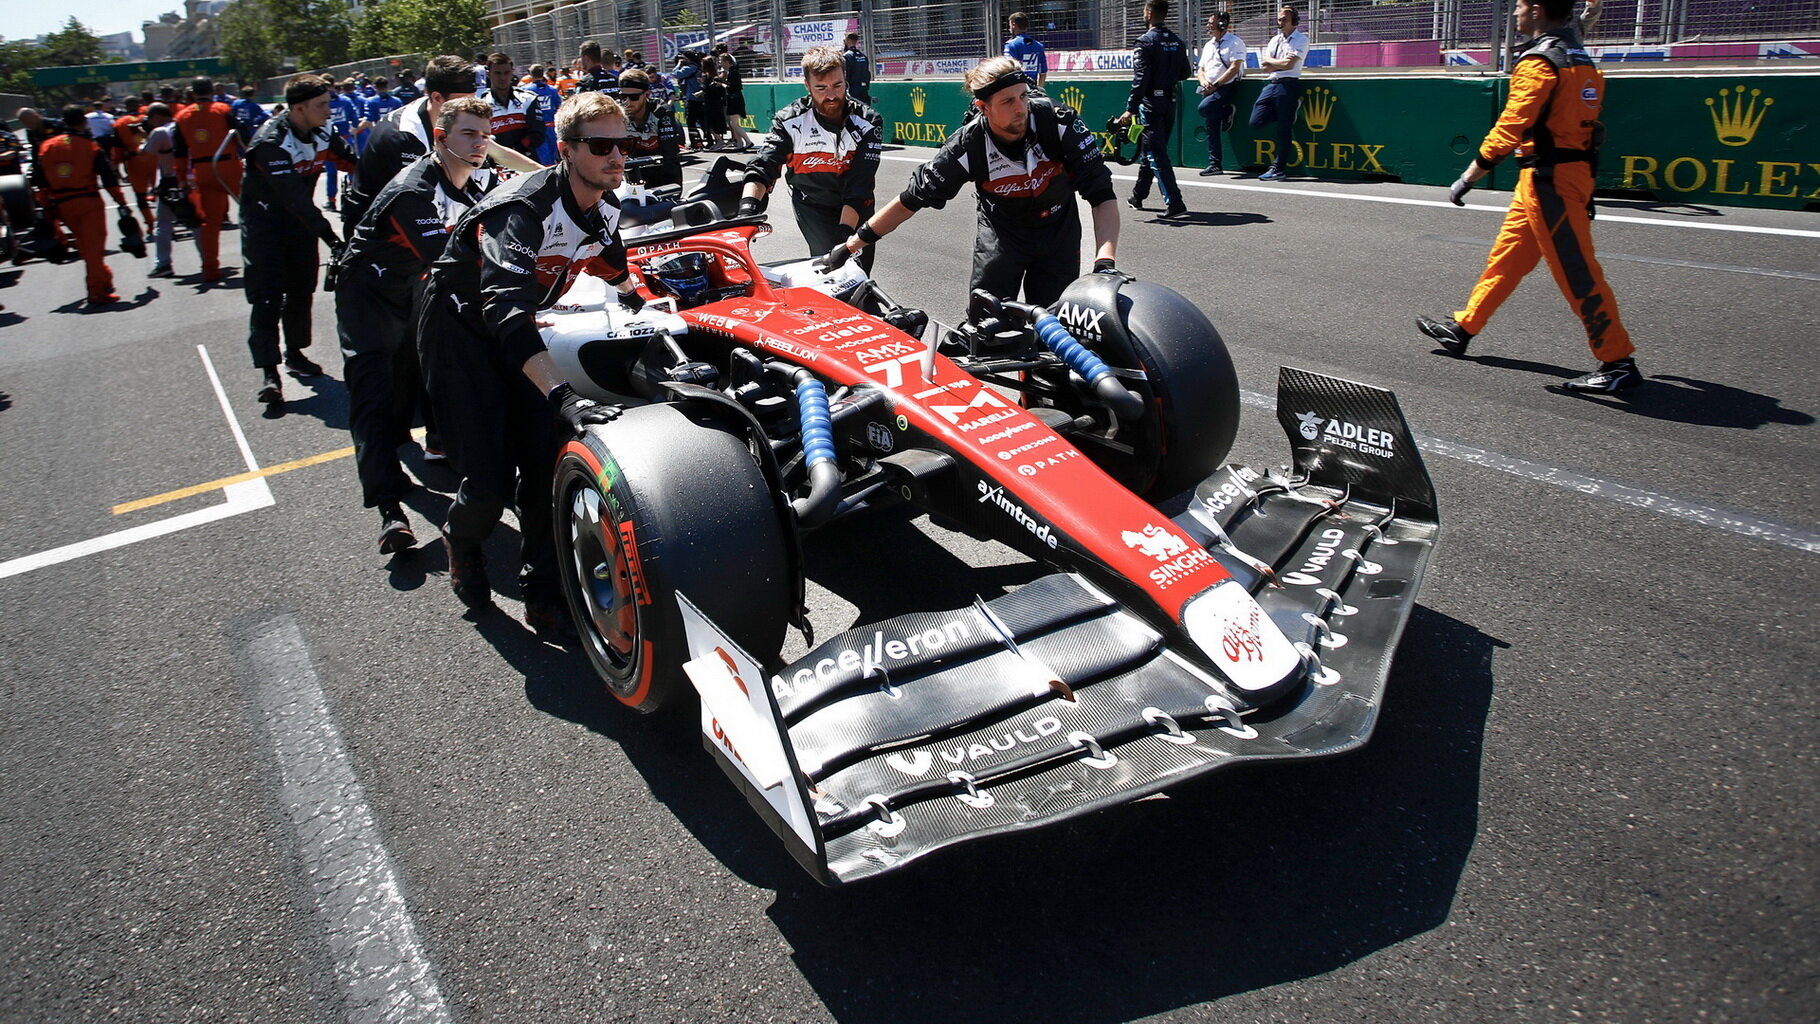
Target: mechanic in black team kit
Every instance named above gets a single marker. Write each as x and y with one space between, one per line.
280 226
490 378
382 272
829 144
1028 156
1159 63
657 158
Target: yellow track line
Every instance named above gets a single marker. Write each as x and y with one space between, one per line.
237 478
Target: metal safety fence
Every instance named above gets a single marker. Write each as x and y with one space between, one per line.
909 39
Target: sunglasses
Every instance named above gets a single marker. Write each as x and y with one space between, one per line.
626 95
601 145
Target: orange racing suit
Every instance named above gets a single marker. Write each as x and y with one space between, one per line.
208 147
1551 122
68 177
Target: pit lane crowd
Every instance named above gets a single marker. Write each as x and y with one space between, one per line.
471 197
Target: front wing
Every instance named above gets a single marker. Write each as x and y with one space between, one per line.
901 737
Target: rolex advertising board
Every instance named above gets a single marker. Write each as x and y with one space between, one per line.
1727 141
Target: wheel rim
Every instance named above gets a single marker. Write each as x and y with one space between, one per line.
604 579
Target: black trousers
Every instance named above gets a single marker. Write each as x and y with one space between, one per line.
376 323
499 431
822 229
1153 155
1044 261
280 284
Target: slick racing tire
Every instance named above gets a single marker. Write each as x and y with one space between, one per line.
1184 375
658 502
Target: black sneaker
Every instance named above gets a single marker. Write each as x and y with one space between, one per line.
1175 210
272 391
468 574
1617 375
395 534
1134 202
1211 169
301 365
1452 336
550 620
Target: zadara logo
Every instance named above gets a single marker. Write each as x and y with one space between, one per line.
1317 108
1734 121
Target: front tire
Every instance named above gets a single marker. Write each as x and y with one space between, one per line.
662 501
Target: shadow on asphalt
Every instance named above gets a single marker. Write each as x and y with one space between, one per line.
327 400
1701 403
1254 877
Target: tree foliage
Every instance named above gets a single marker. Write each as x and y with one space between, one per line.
247 40
71 45
428 27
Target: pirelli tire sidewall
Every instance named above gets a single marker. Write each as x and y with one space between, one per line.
683 507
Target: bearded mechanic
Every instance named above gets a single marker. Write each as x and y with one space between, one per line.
490 378
1028 156
382 270
1551 122
828 145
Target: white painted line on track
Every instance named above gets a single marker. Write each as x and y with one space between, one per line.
380 967
247 496
1729 268
1290 188
1593 487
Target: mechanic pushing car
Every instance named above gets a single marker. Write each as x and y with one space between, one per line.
1028 156
388 253
829 144
493 384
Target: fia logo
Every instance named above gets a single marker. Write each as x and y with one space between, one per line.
1735 122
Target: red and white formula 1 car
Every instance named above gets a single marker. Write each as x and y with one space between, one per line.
769 400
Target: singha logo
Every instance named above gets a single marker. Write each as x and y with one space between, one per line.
1735 122
918 98
1073 96
1317 109
1155 541
1311 424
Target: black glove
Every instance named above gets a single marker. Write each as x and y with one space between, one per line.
632 300
1104 265
748 207
332 275
578 412
1457 191
835 258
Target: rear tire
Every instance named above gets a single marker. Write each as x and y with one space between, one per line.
657 502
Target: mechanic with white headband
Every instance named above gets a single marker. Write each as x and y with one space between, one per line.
1028 156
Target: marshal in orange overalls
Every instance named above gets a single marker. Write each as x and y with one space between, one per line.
68 177
1550 122
206 145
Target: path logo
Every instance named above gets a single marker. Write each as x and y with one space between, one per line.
1074 97
1317 108
918 99
1735 121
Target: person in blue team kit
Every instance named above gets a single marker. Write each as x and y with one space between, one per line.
344 116
549 99
248 113
382 103
1027 51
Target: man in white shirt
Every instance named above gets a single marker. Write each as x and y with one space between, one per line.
1222 67
1283 58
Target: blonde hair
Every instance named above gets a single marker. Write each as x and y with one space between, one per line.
821 60
451 109
581 108
983 73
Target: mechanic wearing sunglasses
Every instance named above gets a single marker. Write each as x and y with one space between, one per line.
493 384
657 158
829 144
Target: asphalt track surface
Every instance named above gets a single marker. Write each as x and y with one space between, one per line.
253 771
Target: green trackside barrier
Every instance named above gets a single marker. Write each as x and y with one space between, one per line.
1720 140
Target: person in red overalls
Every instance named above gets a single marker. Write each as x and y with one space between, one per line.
67 178
208 151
